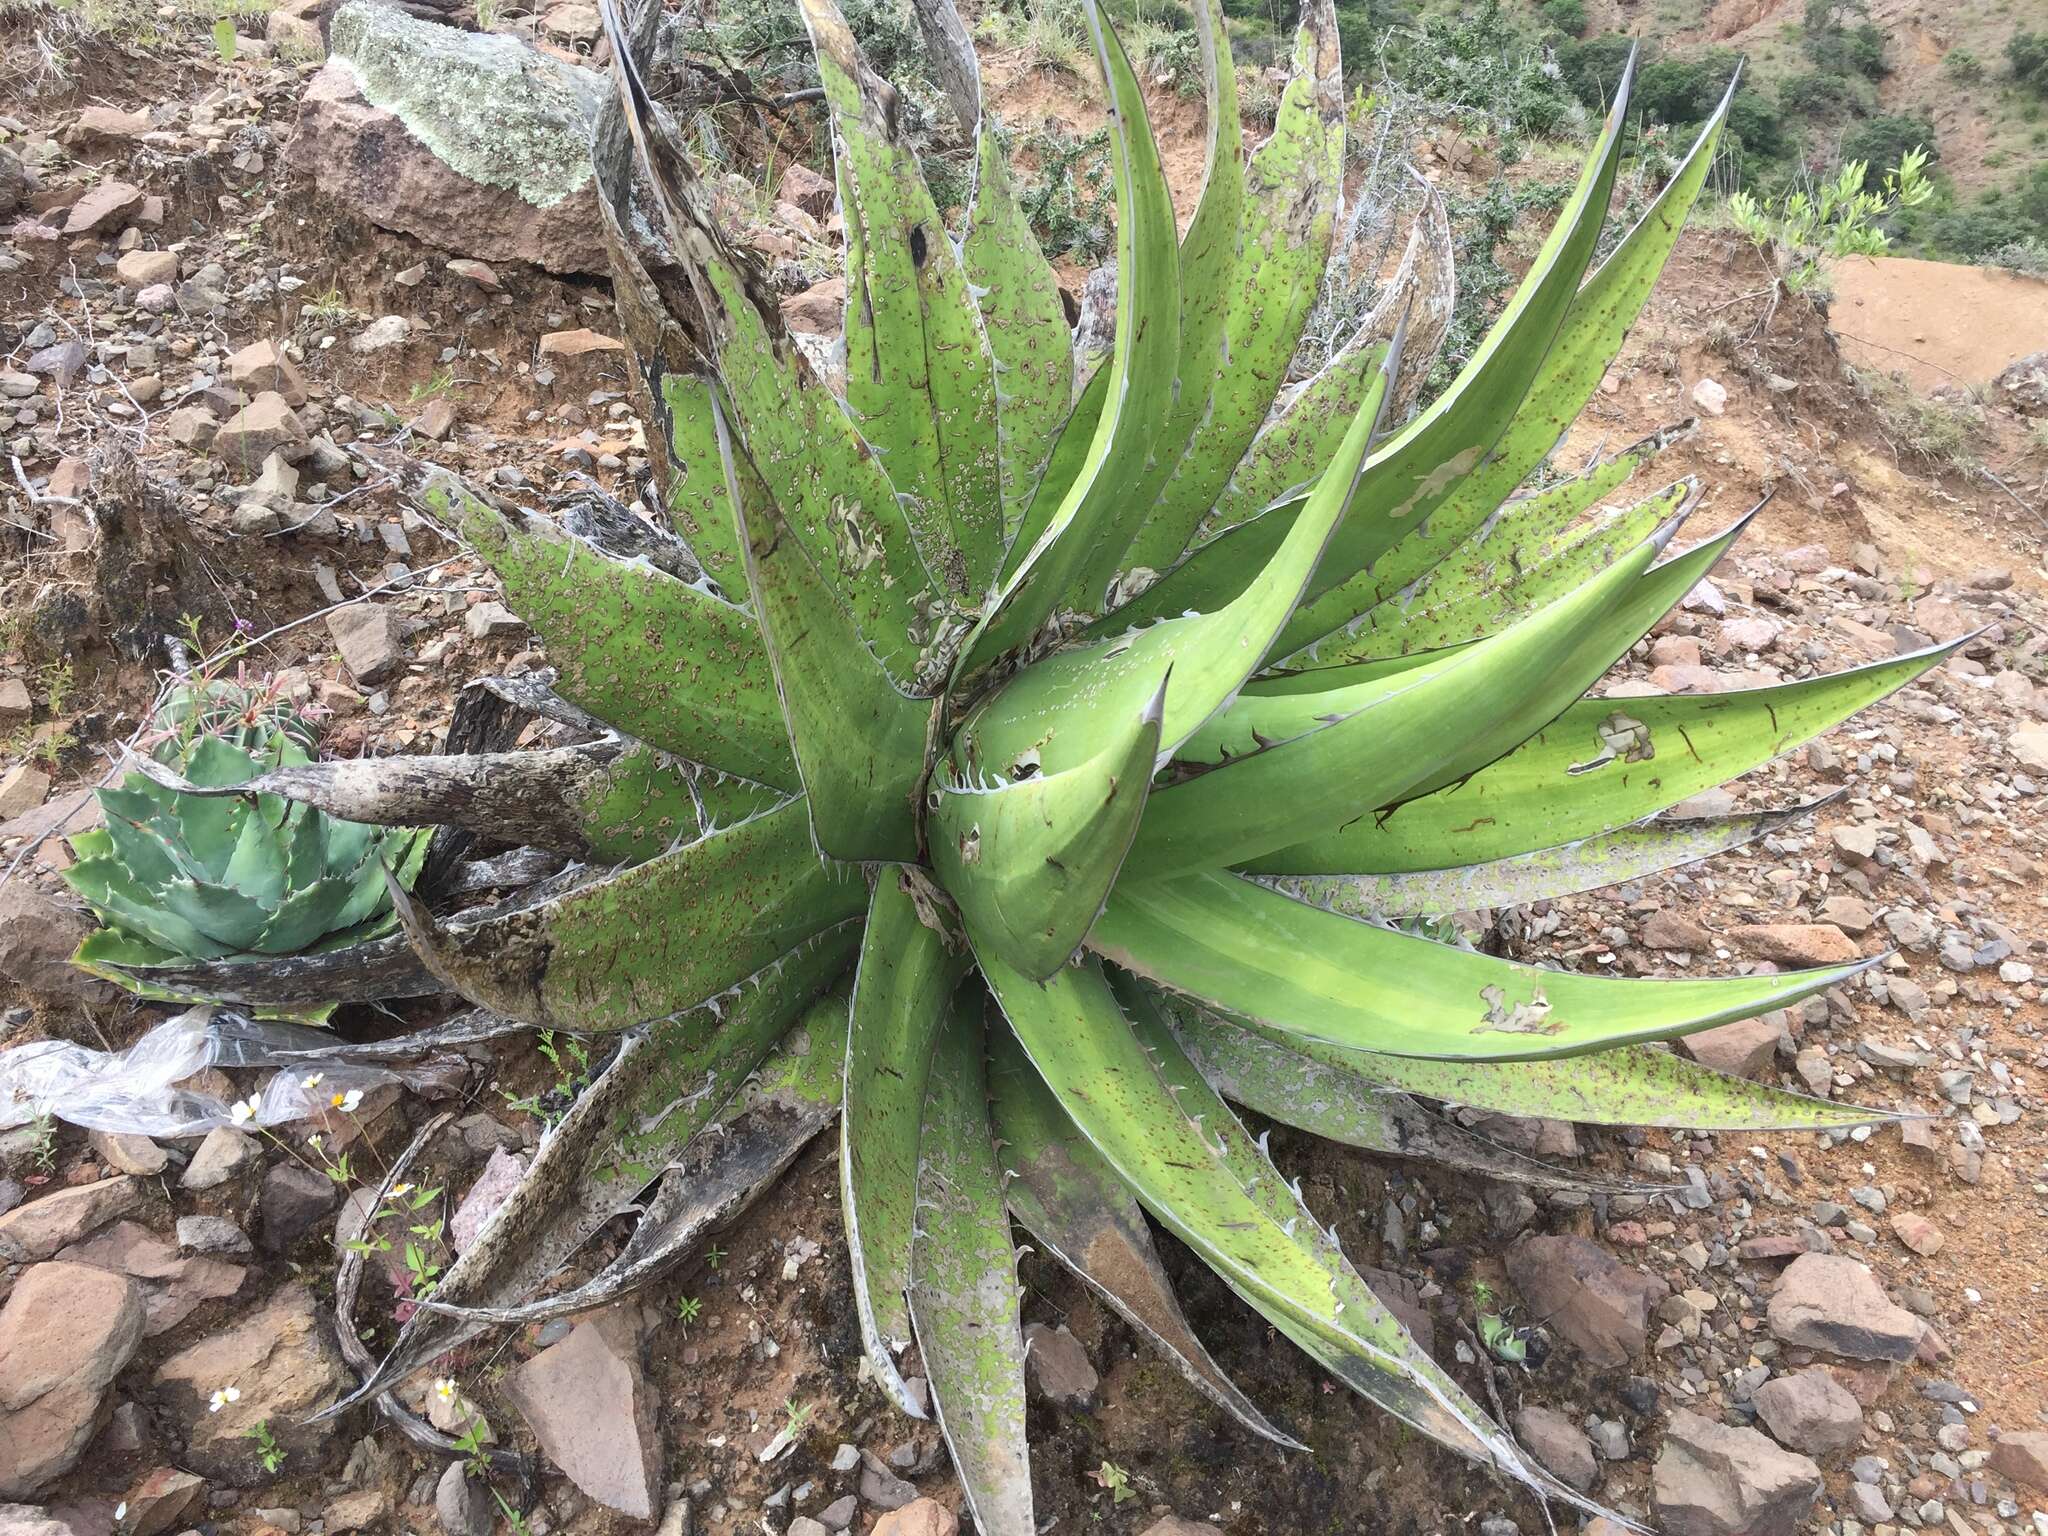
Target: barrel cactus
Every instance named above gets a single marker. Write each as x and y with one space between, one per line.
177 876
1021 774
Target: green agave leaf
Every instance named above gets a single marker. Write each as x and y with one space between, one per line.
1131 1090
651 655
1314 761
333 901
1590 863
138 832
685 445
1252 264
1024 322
1096 516
827 480
1338 1105
1309 419
1026 328
963 1285
1585 347
612 801
1602 764
258 868
1078 1210
659 939
1257 955
1409 478
901 996
223 915
122 902
1531 558
859 740
1631 1085
919 377
1062 707
1066 458
665 1085
1030 863
111 947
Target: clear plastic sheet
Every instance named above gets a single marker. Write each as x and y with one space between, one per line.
142 1091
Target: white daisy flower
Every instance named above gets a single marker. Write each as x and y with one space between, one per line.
316 1079
243 1111
400 1191
222 1397
444 1388
348 1102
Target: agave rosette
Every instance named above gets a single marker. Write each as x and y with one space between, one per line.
1034 769
186 868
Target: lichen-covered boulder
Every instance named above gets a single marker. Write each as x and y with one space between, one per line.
469 141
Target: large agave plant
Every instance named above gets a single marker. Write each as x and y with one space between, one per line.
1030 772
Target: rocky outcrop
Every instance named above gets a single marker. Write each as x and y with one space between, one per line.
469 141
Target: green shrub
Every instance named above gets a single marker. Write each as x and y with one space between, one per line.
1840 38
1591 69
2026 55
1568 16
1963 66
1883 140
1816 94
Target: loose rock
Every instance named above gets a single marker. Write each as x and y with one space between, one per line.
66 1332
592 1411
1831 1302
1716 1480
1810 1411
1592 1300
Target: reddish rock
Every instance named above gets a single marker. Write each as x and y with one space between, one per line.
578 343
1810 1411
284 1362
820 310
1918 1233
174 1285
41 1227
367 159
161 1502
2022 1456
1742 1049
370 639
803 186
1671 929
1717 1480
1586 1295
65 1333
264 426
593 1412
107 207
1677 677
920 1517
1060 1368
1796 944
262 366
140 269
1831 1302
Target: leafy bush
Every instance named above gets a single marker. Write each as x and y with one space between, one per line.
1842 217
1962 66
1885 140
1568 16
1817 94
1840 38
2026 55
1592 69
1476 61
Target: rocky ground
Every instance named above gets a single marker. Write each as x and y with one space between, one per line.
227 345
